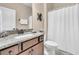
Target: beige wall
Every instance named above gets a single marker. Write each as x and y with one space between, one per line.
22 12
55 6
37 8
37 25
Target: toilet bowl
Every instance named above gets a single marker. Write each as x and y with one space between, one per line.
50 47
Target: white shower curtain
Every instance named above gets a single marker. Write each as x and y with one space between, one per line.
63 28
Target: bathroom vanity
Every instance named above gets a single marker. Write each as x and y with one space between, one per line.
22 44
18 41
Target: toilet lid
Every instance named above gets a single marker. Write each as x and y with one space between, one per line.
51 43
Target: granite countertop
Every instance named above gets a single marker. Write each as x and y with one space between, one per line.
12 40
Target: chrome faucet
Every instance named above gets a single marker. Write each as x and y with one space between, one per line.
3 34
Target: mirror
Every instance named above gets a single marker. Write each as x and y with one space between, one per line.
15 16
7 19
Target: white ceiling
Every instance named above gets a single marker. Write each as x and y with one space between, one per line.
28 4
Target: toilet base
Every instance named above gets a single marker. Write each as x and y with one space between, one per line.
50 47
49 52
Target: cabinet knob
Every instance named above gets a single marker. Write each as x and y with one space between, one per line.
29 53
10 52
32 49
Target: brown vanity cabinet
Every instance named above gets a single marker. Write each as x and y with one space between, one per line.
33 46
35 50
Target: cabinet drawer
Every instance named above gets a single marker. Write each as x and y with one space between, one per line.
30 43
41 38
10 51
28 52
38 49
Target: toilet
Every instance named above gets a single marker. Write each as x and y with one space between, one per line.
50 47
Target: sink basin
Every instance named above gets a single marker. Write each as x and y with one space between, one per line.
22 36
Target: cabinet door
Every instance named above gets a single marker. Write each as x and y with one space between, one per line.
27 52
30 43
38 49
